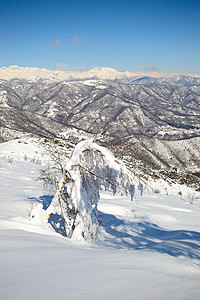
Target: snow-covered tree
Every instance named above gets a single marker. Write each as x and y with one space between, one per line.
89 168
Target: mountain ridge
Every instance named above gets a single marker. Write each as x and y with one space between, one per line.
142 119
106 73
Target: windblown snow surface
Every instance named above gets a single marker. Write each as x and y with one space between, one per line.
147 249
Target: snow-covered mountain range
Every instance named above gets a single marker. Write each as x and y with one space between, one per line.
157 124
140 77
120 110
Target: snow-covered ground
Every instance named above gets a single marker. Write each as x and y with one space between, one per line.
146 249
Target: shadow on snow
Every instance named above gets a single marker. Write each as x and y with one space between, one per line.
56 220
45 200
149 236
123 234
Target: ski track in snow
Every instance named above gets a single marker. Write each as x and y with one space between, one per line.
146 249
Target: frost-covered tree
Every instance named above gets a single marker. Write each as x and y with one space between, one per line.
56 152
89 168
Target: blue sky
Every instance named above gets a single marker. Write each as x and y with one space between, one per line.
125 35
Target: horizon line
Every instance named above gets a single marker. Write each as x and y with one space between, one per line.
99 68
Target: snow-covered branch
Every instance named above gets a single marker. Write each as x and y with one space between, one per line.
89 168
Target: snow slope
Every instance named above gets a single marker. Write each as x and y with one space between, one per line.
147 249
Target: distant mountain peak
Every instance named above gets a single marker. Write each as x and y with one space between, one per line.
106 73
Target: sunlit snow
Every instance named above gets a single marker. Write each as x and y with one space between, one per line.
146 249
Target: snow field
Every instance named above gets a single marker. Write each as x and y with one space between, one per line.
146 249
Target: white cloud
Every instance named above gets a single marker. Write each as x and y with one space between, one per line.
81 69
61 66
76 40
57 44
83 42
151 67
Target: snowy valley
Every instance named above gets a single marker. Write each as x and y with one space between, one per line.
157 124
